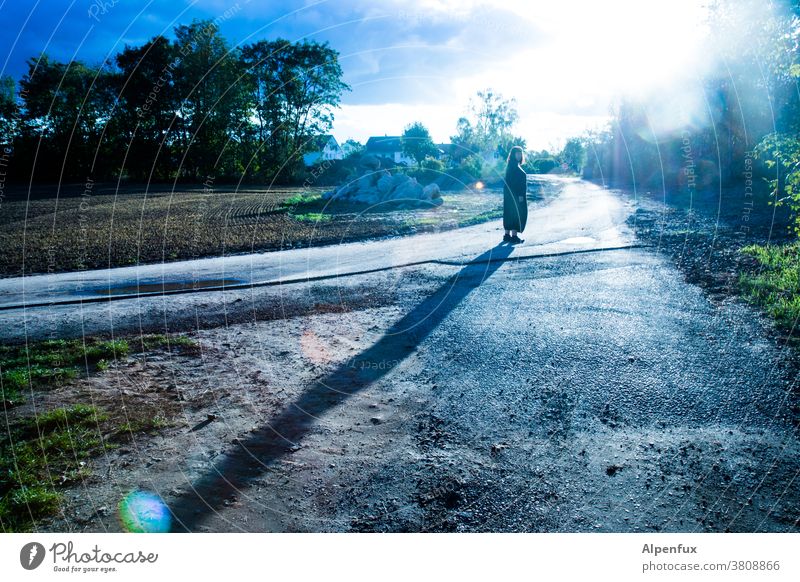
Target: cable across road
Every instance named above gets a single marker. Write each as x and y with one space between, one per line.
299 280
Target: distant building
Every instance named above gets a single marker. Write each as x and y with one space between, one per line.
323 147
388 146
445 151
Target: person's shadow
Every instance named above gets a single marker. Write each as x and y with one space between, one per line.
282 433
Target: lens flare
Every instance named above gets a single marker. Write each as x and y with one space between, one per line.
143 512
479 185
314 348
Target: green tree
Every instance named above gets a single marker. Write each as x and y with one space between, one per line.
212 104
416 142
9 110
759 46
486 128
145 109
353 147
573 155
295 88
494 116
65 108
506 141
187 108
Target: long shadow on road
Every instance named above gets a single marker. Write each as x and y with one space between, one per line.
281 434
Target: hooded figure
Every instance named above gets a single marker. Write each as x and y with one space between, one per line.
515 196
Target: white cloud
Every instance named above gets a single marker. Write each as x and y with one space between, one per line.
564 63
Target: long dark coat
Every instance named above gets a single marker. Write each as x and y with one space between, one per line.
515 198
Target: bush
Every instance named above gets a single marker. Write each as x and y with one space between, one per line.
430 169
541 165
473 165
328 172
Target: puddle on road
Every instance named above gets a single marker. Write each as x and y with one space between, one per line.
166 286
578 240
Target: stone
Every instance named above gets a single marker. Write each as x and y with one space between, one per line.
368 196
432 191
400 179
385 184
411 190
376 185
366 181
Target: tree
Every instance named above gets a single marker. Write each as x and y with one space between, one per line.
294 88
573 155
145 109
212 104
65 107
9 110
353 148
189 108
494 115
506 142
416 142
487 126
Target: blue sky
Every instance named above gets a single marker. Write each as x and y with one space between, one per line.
408 61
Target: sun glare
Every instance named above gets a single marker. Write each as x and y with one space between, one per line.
582 55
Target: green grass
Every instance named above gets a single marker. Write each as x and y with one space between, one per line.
157 340
777 287
446 221
40 454
424 221
482 217
49 362
145 424
312 217
300 200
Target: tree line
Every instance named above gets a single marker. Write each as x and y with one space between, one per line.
749 128
182 109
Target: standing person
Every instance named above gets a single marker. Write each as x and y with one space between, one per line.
515 196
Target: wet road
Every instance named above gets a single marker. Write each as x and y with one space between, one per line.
584 392
568 220
530 388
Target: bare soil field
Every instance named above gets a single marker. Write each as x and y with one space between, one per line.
73 229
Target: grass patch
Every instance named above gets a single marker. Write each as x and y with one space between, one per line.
40 454
300 200
144 424
777 287
482 217
312 217
49 362
448 219
156 340
424 221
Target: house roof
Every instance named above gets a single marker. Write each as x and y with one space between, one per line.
384 143
318 142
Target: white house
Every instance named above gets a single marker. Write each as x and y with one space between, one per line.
323 147
388 146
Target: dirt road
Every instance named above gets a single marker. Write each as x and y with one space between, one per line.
564 385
